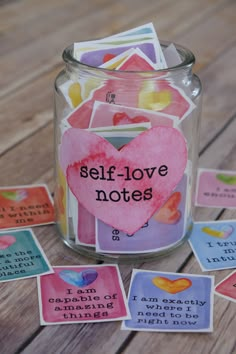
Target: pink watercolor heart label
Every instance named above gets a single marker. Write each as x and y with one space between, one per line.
6 241
123 188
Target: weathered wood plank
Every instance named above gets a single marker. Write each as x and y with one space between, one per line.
41 54
218 92
32 158
40 18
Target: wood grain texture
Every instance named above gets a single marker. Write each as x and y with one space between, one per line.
33 35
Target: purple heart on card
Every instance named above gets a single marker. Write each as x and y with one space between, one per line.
80 279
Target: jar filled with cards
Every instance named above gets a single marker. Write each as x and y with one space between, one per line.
127 110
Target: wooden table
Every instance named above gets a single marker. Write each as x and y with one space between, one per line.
33 35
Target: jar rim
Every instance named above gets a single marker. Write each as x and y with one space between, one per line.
187 56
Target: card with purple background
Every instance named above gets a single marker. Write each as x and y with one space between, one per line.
170 302
79 294
227 287
96 57
213 243
216 188
166 227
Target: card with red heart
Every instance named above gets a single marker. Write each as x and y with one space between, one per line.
170 302
23 206
105 115
79 294
227 287
21 256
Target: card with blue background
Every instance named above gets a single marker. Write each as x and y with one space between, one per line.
214 244
170 302
21 256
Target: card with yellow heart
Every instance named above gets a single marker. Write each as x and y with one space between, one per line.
170 302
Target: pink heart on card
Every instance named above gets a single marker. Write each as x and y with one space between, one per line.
123 188
6 241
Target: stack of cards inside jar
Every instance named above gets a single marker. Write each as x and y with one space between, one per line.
118 114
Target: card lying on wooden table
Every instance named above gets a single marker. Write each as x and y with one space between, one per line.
78 294
170 302
21 256
22 206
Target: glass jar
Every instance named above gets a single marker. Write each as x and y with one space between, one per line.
126 149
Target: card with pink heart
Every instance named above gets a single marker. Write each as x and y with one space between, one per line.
23 206
79 294
21 256
227 287
170 302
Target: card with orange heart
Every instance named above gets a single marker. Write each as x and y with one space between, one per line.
170 302
214 244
